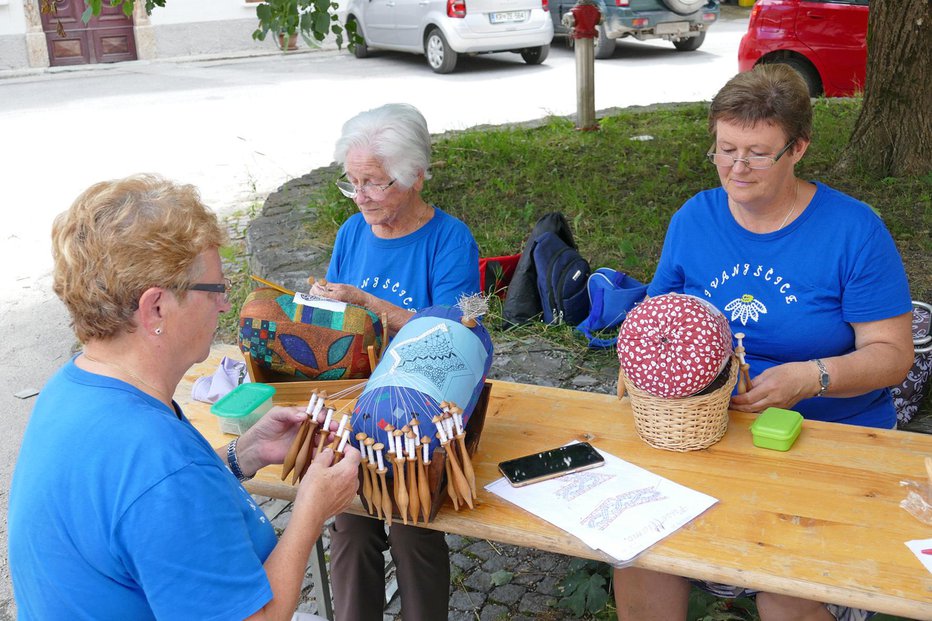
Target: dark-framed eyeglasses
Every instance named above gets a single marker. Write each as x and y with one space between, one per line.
221 287
757 162
372 190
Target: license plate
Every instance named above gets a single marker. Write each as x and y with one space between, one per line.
508 17
672 28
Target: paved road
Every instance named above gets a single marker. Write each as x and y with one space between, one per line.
239 128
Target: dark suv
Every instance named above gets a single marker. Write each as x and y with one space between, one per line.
683 22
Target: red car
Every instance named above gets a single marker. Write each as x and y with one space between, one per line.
824 40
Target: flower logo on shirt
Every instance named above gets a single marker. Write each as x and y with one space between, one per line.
746 307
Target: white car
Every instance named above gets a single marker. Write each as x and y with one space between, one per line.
444 29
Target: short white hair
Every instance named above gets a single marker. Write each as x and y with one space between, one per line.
396 135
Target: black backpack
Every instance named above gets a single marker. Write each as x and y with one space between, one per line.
561 280
523 301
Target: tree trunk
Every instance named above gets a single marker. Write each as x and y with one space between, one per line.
893 134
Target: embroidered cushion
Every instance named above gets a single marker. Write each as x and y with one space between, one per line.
306 341
674 345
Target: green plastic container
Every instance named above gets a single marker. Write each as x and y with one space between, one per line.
776 429
239 409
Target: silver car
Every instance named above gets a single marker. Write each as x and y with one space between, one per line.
444 29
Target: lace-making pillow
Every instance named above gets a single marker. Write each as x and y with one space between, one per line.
674 345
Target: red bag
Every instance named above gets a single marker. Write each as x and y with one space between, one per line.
495 273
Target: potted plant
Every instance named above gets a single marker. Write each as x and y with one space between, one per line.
312 19
281 17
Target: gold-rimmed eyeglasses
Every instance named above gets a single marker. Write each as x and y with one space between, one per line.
755 162
372 190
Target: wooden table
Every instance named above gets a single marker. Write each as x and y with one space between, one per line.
821 521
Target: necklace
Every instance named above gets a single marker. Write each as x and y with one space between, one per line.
792 207
127 372
737 212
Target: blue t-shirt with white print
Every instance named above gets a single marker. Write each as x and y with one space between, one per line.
120 509
793 292
433 265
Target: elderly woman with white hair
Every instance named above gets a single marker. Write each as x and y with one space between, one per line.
397 255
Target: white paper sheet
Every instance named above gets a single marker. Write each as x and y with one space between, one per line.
618 508
317 302
922 548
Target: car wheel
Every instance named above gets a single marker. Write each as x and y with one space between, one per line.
604 46
690 44
684 7
439 55
809 74
360 49
535 55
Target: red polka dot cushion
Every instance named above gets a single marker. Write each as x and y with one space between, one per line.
674 345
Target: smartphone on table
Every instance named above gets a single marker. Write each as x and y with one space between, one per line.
549 464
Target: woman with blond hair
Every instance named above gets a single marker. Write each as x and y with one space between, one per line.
119 508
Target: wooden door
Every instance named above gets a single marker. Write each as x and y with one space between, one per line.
107 38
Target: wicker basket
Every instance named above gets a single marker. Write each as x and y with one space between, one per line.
687 424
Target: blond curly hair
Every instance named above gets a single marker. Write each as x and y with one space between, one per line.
122 237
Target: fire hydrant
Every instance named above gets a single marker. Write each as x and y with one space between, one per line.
582 21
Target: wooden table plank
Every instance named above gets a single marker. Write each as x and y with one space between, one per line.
821 521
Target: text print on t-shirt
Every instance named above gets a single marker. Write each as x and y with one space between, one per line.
746 306
386 284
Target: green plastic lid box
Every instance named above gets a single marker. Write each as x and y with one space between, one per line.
239 409
776 429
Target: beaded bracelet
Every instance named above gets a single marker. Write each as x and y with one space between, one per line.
233 463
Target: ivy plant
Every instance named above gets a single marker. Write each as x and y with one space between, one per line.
313 19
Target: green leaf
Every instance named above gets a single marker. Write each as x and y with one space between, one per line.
88 13
501 577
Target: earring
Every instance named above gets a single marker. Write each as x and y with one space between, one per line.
158 331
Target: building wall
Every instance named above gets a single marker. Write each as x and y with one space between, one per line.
12 35
180 28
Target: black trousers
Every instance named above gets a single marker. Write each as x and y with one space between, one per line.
357 569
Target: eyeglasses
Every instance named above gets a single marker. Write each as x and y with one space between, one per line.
222 287
372 190
757 162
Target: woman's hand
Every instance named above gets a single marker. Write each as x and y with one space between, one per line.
340 292
267 442
782 386
328 487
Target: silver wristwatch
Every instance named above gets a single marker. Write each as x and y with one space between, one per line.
824 378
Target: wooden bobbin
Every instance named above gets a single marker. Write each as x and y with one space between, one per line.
423 483
324 430
304 457
414 498
468 470
375 499
386 499
288 464
384 335
366 481
459 479
744 375
401 491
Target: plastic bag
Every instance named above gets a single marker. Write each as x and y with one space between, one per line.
918 501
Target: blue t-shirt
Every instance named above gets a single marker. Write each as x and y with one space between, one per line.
793 292
433 265
120 509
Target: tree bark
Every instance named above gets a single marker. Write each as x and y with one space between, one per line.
893 133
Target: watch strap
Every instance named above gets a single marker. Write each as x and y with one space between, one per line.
233 463
824 378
